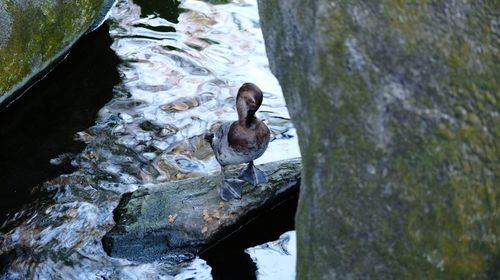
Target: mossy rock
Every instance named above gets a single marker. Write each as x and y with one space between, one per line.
178 220
34 34
396 104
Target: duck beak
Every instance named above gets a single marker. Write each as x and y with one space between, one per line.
252 105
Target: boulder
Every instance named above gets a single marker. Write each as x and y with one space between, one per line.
178 219
396 105
35 34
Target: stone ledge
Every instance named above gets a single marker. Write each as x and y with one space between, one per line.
177 220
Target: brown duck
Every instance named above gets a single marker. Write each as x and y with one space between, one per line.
241 141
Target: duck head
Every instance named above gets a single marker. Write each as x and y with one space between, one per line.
248 101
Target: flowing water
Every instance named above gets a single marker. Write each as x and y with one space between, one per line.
275 260
180 66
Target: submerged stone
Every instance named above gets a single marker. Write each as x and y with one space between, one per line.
396 108
35 34
177 220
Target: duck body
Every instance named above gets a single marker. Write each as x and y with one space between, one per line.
235 143
241 141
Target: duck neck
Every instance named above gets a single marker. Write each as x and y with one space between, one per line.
246 118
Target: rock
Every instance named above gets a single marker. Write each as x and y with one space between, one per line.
177 220
396 105
35 34
101 15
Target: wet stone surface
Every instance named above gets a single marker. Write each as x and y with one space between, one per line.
177 220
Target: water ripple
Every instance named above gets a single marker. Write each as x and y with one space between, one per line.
184 82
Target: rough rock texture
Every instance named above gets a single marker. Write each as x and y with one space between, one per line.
176 220
34 34
397 109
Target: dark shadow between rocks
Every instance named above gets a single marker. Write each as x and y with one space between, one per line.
227 257
41 124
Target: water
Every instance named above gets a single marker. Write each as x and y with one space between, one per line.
175 85
180 65
230 258
276 260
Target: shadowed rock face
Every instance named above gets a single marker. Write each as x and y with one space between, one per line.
397 109
176 220
34 34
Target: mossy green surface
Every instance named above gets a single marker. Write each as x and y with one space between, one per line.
396 104
38 33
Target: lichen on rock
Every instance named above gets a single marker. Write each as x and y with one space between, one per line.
396 108
35 34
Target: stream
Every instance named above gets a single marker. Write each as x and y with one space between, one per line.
129 106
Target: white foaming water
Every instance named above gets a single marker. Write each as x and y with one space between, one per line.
177 79
276 260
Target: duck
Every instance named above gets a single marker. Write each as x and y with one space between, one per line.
241 141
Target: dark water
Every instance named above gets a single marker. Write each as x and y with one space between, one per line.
42 123
228 259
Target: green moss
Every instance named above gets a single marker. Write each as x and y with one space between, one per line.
35 40
400 149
